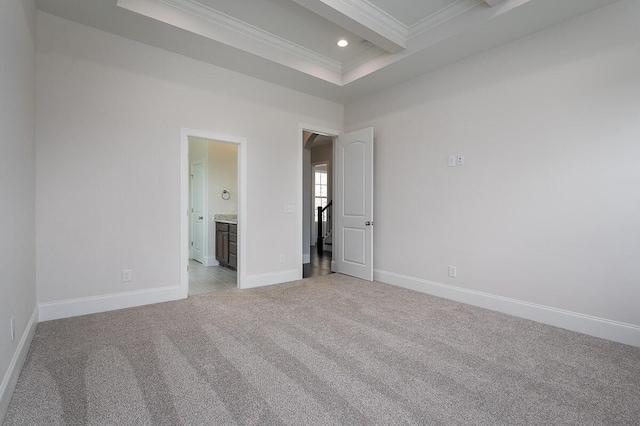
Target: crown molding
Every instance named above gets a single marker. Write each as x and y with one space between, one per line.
204 20
363 57
405 32
363 19
379 16
443 15
221 19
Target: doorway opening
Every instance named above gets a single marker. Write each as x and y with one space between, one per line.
317 195
213 188
214 215
352 208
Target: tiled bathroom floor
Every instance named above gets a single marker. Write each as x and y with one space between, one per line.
207 279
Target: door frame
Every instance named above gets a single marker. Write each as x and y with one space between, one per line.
302 127
185 171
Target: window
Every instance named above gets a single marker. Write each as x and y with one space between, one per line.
320 188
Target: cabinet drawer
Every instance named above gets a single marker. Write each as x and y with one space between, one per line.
233 261
233 248
233 228
233 238
222 227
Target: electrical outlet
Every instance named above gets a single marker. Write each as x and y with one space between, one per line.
460 160
282 258
452 161
13 328
289 208
452 271
127 275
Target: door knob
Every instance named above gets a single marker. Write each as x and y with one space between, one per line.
368 223
200 217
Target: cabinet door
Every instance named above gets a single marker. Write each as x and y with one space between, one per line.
220 246
225 244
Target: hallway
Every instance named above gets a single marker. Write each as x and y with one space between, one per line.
320 264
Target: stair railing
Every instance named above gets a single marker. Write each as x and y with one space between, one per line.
324 215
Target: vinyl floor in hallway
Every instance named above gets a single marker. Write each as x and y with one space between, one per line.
320 264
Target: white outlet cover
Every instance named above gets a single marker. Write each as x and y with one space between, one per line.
452 271
127 275
460 160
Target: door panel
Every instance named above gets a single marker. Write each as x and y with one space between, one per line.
197 216
354 246
354 179
355 204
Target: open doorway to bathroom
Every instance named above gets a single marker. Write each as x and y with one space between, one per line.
213 215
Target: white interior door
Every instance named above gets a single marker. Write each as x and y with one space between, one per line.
354 209
197 211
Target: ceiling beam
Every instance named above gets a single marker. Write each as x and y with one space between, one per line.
363 19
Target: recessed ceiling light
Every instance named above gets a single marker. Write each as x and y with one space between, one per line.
343 43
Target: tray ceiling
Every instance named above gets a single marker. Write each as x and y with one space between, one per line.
293 42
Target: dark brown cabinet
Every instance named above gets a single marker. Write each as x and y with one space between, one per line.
227 244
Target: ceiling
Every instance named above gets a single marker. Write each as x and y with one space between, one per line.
293 42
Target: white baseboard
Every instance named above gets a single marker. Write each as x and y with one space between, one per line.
599 327
261 280
211 261
15 366
306 258
108 302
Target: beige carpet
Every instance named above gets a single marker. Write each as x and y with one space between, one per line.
326 351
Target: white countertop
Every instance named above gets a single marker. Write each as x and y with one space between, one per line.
226 218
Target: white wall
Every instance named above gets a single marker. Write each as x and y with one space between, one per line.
546 208
108 147
197 149
222 173
17 185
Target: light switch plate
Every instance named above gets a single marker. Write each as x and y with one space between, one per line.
452 161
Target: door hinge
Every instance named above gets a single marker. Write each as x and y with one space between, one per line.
191 243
